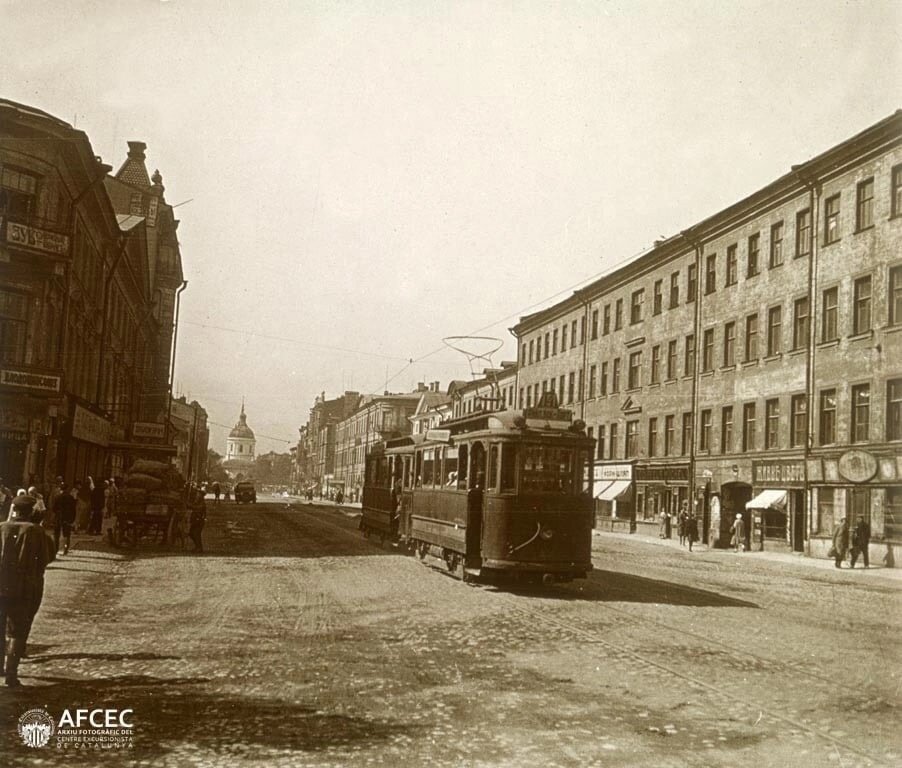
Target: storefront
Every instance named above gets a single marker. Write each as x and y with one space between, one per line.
858 484
659 488
86 448
776 513
614 497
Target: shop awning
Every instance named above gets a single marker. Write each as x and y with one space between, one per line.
613 490
767 499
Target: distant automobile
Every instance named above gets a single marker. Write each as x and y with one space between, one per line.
245 492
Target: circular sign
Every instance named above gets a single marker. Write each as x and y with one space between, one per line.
857 466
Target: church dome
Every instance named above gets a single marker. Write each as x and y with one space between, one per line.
241 429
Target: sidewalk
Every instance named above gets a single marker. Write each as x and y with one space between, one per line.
876 570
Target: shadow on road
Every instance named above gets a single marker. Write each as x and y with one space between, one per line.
614 587
171 714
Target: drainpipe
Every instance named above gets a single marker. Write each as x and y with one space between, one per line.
175 335
814 193
699 247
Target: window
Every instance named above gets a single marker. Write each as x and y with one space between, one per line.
708 350
861 310
798 425
771 423
655 364
711 273
594 324
612 450
864 205
895 295
18 192
606 324
686 446
831 219
689 358
582 330
564 337
748 427
13 323
615 376
671 359
652 437
547 345
562 387
668 435
861 412
593 380
571 383
800 325
776 244
704 437
520 399
600 444
894 409
523 355
826 502
732 265
896 191
726 429
573 341
751 337
691 283
634 375
828 417
531 349
618 314
603 381
658 298
774 330
754 248
803 232
636 303
554 339
674 290
729 344
538 349
892 521
632 439
829 329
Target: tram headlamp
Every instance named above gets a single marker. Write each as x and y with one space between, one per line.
546 534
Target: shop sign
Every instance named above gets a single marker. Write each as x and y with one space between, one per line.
148 429
90 427
13 435
30 380
38 239
439 435
14 420
608 472
663 475
857 466
784 474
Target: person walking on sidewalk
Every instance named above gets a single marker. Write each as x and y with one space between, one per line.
840 542
738 531
861 539
691 528
64 515
24 555
216 492
683 522
197 520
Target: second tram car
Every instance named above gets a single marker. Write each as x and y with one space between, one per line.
494 494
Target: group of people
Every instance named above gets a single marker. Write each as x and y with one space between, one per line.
851 542
687 525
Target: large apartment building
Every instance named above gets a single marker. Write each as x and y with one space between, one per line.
751 364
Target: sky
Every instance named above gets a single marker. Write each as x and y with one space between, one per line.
358 180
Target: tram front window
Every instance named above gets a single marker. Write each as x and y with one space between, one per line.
548 469
508 467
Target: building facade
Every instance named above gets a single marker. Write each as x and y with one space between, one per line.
191 438
752 364
321 440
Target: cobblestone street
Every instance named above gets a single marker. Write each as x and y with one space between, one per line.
294 641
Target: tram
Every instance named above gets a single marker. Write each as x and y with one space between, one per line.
498 496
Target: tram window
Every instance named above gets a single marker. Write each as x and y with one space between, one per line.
450 467
463 465
419 469
508 467
491 479
428 462
548 469
478 461
437 473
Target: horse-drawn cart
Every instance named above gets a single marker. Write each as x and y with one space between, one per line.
135 522
150 506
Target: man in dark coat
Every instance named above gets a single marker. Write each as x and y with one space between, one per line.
24 555
64 517
861 539
197 520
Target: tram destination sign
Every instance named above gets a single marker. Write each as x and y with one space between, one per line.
548 414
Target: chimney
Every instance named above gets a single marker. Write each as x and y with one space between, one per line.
435 386
136 150
421 386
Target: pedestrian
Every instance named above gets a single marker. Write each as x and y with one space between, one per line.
691 528
663 533
83 505
738 531
227 494
216 491
24 555
98 502
682 522
840 542
197 520
861 539
64 512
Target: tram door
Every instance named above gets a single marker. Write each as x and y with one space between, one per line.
475 502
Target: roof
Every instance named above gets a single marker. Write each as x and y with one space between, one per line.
241 430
